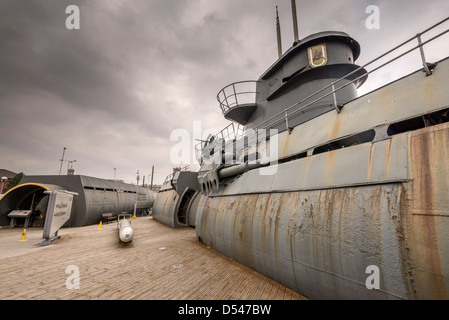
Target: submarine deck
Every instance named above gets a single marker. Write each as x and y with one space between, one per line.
160 263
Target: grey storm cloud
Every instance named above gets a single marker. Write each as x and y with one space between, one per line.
114 90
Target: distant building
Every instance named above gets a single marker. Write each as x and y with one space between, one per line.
7 173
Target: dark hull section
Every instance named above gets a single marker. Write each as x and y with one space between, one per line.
177 201
176 211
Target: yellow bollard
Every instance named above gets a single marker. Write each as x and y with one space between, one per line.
100 227
24 235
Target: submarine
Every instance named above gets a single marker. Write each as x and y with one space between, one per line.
95 197
335 195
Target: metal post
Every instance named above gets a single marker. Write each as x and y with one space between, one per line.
295 21
226 98
152 175
62 160
286 120
235 95
423 57
335 98
27 220
278 32
137 192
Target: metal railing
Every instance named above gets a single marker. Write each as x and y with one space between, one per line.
283 115
230 133
172 175
231 100
237 93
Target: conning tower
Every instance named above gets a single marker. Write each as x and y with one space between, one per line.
311 64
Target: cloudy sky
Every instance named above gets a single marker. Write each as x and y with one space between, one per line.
113 91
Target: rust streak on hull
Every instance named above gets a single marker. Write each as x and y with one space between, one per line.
320 242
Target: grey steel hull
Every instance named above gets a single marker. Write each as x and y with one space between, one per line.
176 202
176 211
320 241
164 208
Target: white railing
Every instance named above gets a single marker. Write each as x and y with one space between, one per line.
236 94
230 133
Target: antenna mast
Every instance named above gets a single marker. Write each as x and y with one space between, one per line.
278 31
295 21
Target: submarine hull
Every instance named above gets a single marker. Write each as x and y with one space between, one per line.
95 196
324 242
356 205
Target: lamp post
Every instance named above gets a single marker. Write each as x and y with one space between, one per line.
137 193
62 160
152 176
115 171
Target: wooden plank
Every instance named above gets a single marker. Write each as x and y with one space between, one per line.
143 269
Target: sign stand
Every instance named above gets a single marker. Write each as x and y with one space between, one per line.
58 213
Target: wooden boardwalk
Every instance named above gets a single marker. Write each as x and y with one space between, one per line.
160 264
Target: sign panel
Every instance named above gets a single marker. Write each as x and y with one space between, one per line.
58 213
61 211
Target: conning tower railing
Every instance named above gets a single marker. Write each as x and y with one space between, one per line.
428 67
172 175
237 94
230 133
